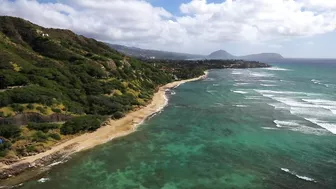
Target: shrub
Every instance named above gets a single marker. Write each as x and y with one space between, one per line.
39 136
56 110
30 106
83 123
45 127
55 136
17 108
41 109
10 131
4 148
117 115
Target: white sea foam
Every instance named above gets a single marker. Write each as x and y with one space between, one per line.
261 74
328 85
241 106
211 91
42 180
276 69
326 104
316 81
268 81
268 85
278 105
209 79
235 72
216 84
298 126
253 97
281 92
173 93
298 176
329 126
309 130
270 128
58 162
239 92
285 123
238 84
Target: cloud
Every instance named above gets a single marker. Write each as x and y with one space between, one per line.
200 24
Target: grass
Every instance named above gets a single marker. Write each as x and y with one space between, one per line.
7 111
16 67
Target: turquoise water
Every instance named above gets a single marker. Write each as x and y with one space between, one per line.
254 128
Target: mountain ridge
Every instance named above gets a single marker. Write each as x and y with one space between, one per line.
219 54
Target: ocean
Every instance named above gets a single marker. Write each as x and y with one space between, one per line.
267 128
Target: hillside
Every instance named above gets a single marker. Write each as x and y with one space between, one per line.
220 55
152 54
263 57
53 75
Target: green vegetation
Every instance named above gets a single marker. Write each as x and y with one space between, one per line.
83 123
10 131
185 69
44 127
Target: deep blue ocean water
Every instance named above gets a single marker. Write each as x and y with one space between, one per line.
254 128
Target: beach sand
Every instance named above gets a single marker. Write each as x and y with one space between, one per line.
112 129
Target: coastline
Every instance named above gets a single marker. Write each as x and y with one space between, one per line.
112 129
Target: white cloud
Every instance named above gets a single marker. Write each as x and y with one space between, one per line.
201 25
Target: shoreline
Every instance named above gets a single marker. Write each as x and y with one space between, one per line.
110 130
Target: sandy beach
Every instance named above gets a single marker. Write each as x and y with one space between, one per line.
112 129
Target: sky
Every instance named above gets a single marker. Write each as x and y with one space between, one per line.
293 28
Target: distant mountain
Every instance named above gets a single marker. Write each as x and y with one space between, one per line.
220 55
224 55
262 56
152 54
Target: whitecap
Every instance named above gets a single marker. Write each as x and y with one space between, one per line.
278 105
58 162
269 128
268 85
326 104
276 69
209 79
241 106
297 126
281 92
215 85
285 123
237 72
268 81
239 84
298 176
329 126
261 74
316 81
253 97
42 180
239 92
